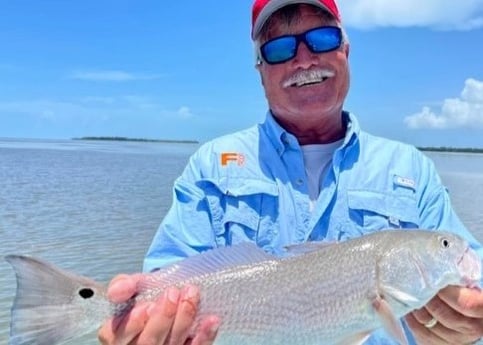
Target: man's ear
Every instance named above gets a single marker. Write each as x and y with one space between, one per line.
258 67
347 49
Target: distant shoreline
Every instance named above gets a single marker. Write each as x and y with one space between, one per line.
429 149
138 140
451 149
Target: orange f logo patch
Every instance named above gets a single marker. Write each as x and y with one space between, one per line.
227 157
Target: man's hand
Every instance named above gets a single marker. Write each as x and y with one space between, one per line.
166 321
458 313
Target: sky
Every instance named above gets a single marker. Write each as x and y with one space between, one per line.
184 70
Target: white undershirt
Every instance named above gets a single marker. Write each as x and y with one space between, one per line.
317 159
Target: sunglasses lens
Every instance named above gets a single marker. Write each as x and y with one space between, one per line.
279 50
324 39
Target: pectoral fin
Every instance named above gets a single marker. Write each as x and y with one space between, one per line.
389 321
401 296
357 339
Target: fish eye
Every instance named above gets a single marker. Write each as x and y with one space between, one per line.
86 293
445 243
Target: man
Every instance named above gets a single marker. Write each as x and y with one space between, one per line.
307 173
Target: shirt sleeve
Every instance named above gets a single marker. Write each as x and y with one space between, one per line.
187 227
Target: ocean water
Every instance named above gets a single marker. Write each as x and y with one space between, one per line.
89 206
94 206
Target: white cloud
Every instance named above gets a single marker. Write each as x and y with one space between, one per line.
44 109
437 14
185 112
95 108
463 112
111 76
140 102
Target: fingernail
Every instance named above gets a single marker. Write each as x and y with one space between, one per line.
214 329
173 295
191 291
140 311
116 292
150 309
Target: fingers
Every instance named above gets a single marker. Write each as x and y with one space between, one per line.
185 316
451 327
161 318
466 301
446 315
149 323
425 335
169 320
422 316
450 318
122 330
123 287
207 331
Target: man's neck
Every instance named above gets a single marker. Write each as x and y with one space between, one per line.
323 131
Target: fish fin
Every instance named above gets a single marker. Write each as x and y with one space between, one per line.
400 296
357 339
389 321
50 304
211 261
307 247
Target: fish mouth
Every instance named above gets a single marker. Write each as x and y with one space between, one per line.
308 78
469 265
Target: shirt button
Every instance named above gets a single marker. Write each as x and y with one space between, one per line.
299 181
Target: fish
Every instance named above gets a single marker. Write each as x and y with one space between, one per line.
316 293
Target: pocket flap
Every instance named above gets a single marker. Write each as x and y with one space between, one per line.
401 207
243 186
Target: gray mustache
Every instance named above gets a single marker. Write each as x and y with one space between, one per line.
308 76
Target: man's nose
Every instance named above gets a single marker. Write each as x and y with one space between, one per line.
304 57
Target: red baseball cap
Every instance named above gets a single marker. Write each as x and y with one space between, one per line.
263 9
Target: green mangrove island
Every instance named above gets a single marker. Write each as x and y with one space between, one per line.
138 139
452 149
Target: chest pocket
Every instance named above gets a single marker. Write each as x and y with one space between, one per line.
247 211
370 211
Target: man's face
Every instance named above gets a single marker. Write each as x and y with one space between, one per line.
311 101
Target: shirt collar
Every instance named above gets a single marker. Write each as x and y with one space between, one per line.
280 138
353 129
283 140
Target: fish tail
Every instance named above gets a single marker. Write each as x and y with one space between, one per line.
52 305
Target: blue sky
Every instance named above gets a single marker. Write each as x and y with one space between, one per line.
185 69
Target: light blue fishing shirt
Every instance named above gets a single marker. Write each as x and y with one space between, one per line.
252 186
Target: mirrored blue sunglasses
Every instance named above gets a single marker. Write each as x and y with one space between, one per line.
318 40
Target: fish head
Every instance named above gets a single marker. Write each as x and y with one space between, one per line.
421 263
